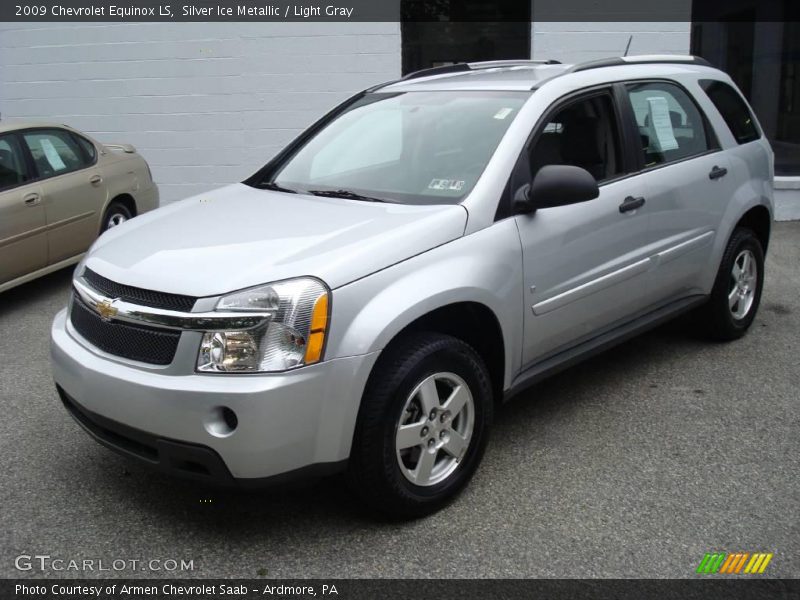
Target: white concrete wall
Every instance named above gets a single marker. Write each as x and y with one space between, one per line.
578 42
787 198
205 103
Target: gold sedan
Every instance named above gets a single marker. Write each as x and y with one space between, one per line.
59 190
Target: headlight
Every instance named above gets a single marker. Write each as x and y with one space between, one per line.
292 335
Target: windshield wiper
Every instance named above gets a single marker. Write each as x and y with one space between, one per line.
346 194
272 186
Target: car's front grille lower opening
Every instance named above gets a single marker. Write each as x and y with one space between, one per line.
191 467
129 445
190 460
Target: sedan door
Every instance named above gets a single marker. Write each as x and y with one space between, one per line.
23 228
584 264
73 191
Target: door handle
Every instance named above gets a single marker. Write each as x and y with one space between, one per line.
717 172
95 179
32 199
630 203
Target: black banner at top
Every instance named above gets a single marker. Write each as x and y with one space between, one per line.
400 10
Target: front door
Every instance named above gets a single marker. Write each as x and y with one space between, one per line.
584 264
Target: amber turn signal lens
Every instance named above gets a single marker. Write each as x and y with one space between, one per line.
319 323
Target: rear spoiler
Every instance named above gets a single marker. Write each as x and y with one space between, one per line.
127 148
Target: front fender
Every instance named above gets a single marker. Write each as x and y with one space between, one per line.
484 267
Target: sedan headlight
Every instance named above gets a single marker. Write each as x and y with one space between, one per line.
292 335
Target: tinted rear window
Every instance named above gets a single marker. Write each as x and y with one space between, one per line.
733 110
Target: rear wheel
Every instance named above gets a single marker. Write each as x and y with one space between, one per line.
423 426
116 214
736 295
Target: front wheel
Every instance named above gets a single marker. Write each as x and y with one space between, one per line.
423 426
735 297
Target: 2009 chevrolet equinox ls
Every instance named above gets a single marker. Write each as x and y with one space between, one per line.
431 246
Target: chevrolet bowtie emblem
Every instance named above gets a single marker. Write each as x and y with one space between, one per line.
106 310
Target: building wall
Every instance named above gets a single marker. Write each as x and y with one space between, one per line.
578 42
205 103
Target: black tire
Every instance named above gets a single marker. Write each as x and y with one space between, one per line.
115 209
374 473
716 317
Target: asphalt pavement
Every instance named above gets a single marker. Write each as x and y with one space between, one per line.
633 464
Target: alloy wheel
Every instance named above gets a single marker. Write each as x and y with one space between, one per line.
744 280
435 429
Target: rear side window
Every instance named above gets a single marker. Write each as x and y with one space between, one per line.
86 146
54 151
733 109
671 126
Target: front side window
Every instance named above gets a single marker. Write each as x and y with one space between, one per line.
585 134
671 127
54 152
733 109
12 165
413 147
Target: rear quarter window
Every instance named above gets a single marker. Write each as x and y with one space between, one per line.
734 110
86 146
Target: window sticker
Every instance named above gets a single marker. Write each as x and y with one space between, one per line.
503 113
449 185
661 125
51 154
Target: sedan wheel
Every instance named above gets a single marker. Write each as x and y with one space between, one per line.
116 219
116 214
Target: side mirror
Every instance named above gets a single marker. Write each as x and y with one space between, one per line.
556 185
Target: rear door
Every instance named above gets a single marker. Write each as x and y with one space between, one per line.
585 264
73 190
23 236
688 186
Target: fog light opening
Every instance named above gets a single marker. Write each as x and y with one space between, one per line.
221 421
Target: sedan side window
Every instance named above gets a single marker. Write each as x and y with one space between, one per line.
671 127
54 152
12 165
86 146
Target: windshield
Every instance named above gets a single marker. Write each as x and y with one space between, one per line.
413 147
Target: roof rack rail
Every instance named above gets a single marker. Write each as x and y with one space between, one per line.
454 68
474 66
639 60
492 64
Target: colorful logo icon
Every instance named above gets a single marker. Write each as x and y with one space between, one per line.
106 310
736 563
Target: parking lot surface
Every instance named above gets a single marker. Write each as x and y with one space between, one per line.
633 464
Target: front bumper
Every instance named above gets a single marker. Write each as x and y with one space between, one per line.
301 419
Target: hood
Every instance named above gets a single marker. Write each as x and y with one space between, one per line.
238 236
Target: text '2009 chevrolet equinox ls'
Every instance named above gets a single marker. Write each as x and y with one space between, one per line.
431 246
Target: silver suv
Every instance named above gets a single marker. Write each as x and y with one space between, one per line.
426 250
